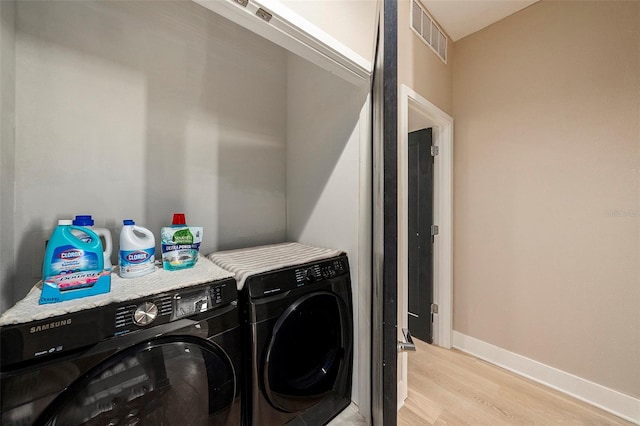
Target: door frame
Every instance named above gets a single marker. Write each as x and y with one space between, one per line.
442 125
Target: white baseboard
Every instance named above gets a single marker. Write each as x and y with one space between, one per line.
615 402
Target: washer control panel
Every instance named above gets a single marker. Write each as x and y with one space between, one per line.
142 313
170 306
145 314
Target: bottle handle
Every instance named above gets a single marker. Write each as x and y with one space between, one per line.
93 245
89 232
144 231
107 239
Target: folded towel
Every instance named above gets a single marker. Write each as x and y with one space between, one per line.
160 281
251 261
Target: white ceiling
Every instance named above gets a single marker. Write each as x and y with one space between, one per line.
459 18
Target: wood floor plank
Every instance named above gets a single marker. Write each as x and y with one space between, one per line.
448 387
421 405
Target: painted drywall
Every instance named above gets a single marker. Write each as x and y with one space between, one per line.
140 109
546 188
351 22
419 67
7 149
323 183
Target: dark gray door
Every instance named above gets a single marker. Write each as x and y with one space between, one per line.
384 344
420 262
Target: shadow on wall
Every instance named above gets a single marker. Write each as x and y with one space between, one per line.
224 167
29 256
322 155
151 108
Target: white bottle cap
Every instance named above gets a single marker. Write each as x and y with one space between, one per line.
65 222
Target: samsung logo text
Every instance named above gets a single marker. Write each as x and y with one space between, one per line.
49 326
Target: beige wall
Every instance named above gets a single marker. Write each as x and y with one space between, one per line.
419 67
547 178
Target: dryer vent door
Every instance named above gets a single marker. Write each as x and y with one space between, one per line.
310 346
168 381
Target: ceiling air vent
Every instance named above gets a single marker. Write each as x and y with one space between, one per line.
427 30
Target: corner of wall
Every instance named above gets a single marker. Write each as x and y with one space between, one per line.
7 149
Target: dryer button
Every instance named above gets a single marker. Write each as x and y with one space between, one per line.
310 275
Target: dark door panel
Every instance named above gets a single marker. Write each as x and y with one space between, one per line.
420 218
384 338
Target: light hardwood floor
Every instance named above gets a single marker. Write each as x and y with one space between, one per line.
448 387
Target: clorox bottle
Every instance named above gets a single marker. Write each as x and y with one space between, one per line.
137 250
104 234
67 254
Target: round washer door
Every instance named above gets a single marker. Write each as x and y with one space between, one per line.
176 380
306 351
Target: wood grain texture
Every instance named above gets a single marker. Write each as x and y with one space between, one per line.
448 387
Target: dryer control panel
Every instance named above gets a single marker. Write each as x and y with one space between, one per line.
283 280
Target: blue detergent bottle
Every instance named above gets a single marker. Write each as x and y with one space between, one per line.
66 253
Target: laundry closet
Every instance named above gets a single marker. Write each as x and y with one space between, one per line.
248 118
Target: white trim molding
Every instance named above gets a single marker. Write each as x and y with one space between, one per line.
362 300
294 33
411 102
618 403
442 124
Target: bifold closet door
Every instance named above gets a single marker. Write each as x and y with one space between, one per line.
385 225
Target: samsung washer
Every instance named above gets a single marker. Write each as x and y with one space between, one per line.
298 329
164 356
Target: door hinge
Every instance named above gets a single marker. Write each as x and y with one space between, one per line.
434 308
435 150
435 230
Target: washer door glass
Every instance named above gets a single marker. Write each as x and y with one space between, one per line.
168 381
306 351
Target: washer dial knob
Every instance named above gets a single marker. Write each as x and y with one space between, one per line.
145 314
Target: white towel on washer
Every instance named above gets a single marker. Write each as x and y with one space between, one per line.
160 281
251 261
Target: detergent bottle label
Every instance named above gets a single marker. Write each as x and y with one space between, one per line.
133 262
68 259
180 246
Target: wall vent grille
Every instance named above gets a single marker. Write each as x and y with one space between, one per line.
428 31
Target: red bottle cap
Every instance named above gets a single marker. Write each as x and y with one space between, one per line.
178 219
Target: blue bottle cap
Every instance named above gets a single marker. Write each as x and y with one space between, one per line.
128 222
83 220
